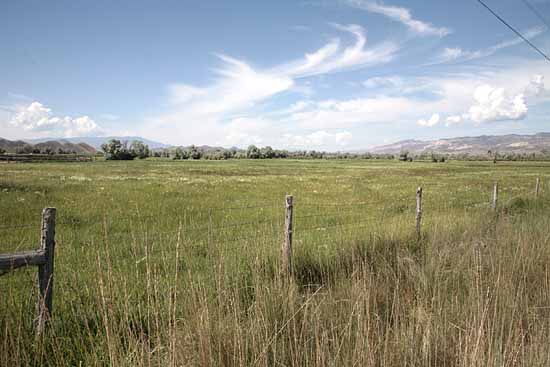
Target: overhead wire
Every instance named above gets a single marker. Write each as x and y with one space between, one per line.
514 30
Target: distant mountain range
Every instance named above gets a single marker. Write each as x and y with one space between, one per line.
96 141
475 145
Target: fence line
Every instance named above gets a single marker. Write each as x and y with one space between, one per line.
44 257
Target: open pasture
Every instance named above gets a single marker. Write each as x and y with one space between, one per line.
177 263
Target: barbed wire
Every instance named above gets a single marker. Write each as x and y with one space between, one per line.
431 204
18 226
323 228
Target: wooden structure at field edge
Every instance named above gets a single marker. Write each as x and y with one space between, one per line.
287 244
44 259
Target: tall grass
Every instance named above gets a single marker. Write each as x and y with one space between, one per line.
474 290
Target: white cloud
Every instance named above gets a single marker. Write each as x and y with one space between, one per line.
432 121
457 54
453 120
331 58
331 114
343 138
536 90
402 15
239 89
38 118
450 54
244 131
383 82
493 104
317 139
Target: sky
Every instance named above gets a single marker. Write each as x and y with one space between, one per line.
323 75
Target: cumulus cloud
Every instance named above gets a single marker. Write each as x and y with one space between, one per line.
38 118
432 121
536 89
402 15
493 104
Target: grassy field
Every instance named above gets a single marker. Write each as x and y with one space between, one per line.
177 263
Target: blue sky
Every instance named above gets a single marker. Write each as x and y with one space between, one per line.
327 74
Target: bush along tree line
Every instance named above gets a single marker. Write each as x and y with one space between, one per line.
254 152
116 150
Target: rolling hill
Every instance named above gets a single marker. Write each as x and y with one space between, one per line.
476 145
96 141
54 146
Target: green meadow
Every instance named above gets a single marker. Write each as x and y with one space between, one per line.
178 263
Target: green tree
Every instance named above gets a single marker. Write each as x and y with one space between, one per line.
194 152
181 154
114 149
139 149
253 152
267 152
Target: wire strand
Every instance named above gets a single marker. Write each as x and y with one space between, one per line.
514 30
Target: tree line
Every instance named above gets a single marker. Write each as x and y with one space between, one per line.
117 150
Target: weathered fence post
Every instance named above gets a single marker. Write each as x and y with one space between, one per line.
537 188
287 244
45 271
418 210
495 196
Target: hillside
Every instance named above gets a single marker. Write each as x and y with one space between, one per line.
54 146
96 141
11 146
512 143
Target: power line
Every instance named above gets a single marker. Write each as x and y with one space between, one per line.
536 12
515 31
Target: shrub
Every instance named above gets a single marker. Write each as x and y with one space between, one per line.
114 149
139 150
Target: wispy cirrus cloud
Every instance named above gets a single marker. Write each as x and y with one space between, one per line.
332 57
457 54
239 87
402 15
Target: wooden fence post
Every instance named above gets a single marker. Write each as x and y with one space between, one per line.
45 271
287 244
418 210
495 196
537 188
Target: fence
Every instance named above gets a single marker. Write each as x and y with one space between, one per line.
277 230
44 259
8 157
